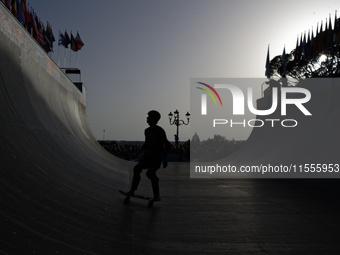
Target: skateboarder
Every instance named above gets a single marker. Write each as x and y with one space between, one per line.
155 149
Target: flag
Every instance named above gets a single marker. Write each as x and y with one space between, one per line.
61 40
76 43
20 12
67 39
284 63
48 45
48 38
303 45
27 16
40 35
297 51
308 47
34 26
311 45
30 23
335 28
50 32
73 43
79 42
316 42
267 73
323 38
14 8
8 4
329 39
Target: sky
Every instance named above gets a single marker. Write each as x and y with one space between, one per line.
140 55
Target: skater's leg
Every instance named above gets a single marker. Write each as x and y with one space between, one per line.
136 177
151 174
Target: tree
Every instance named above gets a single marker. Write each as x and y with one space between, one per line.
317 56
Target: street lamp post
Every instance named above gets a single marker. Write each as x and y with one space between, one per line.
176 121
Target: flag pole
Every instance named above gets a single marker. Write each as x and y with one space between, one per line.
65 50
77 53
64 57
58 51
70 49
77 59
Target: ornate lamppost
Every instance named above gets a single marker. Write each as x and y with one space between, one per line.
176 121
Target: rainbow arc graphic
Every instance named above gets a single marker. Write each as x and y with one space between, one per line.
204 97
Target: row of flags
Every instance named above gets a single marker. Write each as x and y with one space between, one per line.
308 46
76 42
29 19
43 35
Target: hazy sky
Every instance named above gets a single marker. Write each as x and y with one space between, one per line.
140 54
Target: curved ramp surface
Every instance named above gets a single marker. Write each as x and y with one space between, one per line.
42 114
47 150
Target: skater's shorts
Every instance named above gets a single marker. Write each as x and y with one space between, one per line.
151 161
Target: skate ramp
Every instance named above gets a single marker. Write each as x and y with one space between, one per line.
43 122
53 172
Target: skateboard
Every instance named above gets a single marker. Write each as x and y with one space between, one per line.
127 198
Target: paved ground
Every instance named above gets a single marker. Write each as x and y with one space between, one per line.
194 217
238 217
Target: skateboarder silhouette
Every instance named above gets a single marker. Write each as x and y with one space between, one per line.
155 148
